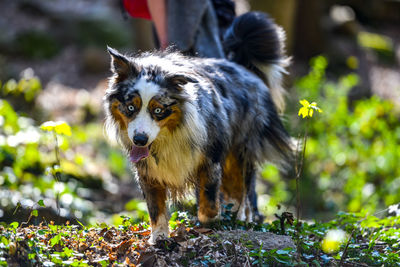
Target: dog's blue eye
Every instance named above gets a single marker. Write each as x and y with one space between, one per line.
131 108
157 110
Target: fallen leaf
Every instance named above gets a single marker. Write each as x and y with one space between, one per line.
203 230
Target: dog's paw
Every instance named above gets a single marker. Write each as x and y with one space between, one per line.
157 236
159 231
206 218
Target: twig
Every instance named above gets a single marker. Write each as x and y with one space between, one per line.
345 249
16 208
381 211
29 218
298 169
56 173
247 263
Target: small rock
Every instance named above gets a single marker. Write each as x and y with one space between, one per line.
268 240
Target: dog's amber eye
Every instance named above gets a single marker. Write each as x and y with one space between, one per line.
157 111
131 108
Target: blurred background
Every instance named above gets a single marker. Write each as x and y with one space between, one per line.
54 67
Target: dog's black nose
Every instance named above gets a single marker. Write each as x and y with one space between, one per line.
140 139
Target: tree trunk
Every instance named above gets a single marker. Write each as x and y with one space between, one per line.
308 33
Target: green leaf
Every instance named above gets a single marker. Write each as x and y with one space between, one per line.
104 263
283 251
84 227
34 213
14 225
55 240
316 263
53 228
68 252
41 203
4 240
42 232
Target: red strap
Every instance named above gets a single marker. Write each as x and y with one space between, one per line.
137 8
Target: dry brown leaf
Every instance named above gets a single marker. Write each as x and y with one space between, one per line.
145 232
112 256
124 246
82 247
203 230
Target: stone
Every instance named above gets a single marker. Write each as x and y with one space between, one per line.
268 240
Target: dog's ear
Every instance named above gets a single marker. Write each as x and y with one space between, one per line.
121 65
177 80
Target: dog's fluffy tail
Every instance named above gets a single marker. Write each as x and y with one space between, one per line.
256 42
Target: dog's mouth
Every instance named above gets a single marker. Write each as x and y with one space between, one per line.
139 152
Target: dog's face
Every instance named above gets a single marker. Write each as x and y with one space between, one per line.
144 103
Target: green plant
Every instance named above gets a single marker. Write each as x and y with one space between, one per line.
360 150
28 162
272 257
29 88
56 128
353 150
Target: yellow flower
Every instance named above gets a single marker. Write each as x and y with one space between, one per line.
333 240
60 127
307 109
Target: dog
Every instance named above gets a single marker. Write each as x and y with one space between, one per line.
202 123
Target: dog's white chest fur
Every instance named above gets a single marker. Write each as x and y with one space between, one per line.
174 163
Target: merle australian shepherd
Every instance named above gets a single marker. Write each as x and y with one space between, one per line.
201 123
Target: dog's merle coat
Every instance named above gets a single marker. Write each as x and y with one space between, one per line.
207 122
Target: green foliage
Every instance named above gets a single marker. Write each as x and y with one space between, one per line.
41 203
278 191
100 32
369 240
272 257
37 44
56 240
14 225
28 162
24 160
380 44
362 150
138 208
352 151
29 88
179 218
34 213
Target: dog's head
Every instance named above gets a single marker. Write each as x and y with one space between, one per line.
144 102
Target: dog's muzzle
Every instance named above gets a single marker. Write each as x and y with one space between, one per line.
139 150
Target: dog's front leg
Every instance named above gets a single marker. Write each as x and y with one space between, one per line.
209 179
156 197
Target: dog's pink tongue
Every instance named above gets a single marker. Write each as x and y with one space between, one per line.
138 153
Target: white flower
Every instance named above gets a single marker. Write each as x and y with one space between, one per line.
394 209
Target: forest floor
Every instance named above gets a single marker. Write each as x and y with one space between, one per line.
349 240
